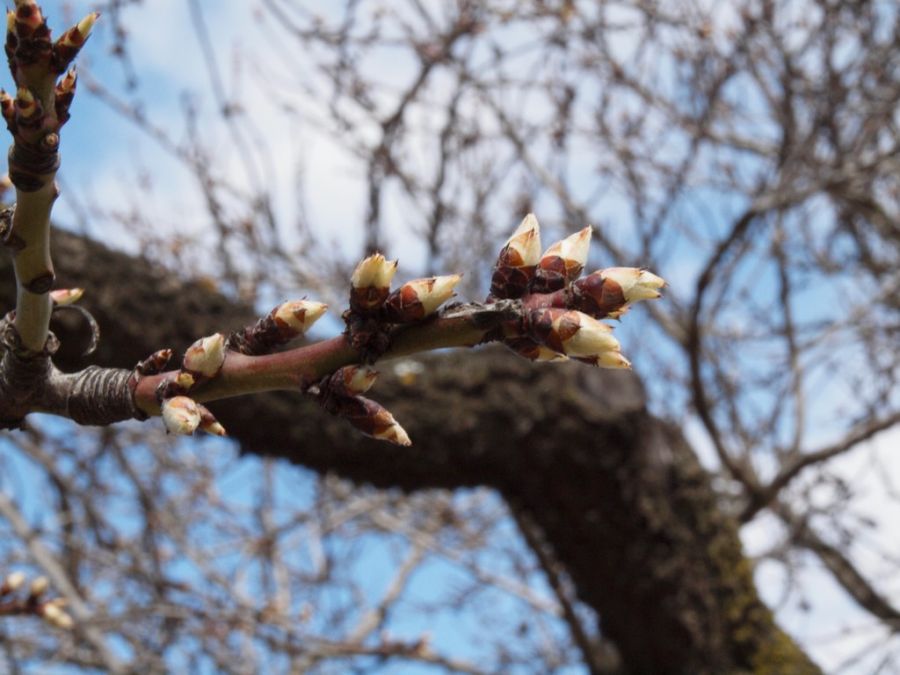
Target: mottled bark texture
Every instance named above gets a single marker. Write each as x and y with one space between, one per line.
619 494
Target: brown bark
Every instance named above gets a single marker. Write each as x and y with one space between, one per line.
619 494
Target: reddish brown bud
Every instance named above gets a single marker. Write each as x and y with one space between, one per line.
373 419
517 260
418 298
562 262
209 423
154 363
570 332
371 283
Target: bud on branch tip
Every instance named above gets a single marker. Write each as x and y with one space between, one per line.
181 415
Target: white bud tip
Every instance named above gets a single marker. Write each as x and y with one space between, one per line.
574 248
87 23
56 617
181 415
206 355
214 428
637 284
374 271
591 339
394 434
39 586
613 360
14 581
434 292
546 355
300 314
359 379
526 241
66 296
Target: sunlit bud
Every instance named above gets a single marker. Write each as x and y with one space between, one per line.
67 84
206 356
66 296
55 616
418 298
372 419
357 379
181 415
38 587
184 380
570 332
298 315
611 359
523 248
209 423
25 103
371 282
12 583
562 262
516 262
10 21
636 284
86 24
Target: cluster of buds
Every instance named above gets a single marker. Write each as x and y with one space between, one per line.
33 58
204 359
561 309
340 394
370 292
33 602
375 310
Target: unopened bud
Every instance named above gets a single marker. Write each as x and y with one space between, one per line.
25 103
12 583
357 379
55 616
28 17
636 284
66 296
372 419
85 26
371 282
517 260
67 84
418 298
38 587
563 262
10 21
181 415
209 423
571 332
298 315
206 356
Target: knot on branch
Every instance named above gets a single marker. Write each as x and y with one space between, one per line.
30 165
100 396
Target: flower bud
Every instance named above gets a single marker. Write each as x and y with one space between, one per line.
55 616
66 296
181 415
371 282
517 260
13 582
206 356
571 333
417 299
356 379
636 284
28 18
372 419
38 587
297 316
26 105
209 423
562 262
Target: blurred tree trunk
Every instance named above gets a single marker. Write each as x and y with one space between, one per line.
618 494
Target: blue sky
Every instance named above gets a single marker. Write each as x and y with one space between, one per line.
104 162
